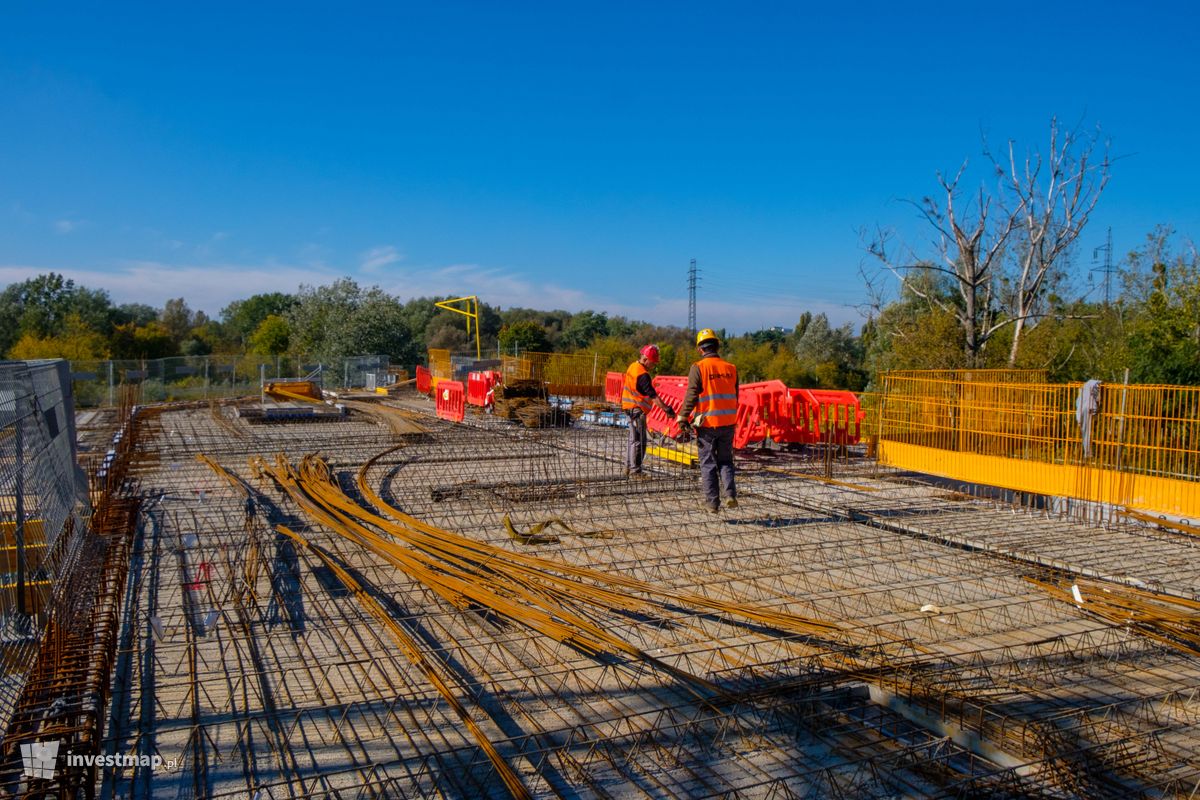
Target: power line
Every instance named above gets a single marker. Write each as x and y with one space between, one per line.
692 272
1108 268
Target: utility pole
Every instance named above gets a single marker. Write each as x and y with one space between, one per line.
1107 269
692 271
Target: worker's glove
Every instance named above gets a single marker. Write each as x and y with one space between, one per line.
681 421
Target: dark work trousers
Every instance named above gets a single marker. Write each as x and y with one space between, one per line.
637 440
716 462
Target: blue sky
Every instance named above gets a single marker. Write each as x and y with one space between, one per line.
571 155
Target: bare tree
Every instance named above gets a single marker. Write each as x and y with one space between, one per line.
1050 199
970 244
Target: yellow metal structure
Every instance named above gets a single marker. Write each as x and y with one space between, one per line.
1143 450
304 391
681 454
471 312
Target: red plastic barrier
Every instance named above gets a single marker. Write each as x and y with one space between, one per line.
830 416
614 386
769 409
451 401
423 376
758 414
671 389
480 386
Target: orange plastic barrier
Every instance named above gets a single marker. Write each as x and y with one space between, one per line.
614 386
480 386
770 410
451 401
423 376
671 389
759 412
832 416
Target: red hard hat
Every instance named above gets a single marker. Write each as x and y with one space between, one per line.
650 353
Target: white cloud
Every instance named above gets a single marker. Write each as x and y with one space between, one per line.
493 286
377 258
206 288
65 226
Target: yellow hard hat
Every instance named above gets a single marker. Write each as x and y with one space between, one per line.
705 335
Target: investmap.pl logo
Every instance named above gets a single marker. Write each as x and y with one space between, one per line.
40 760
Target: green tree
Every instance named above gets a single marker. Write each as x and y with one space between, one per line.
241 318
178 319
1164 336
832 355
524 336
582 329
271 336
40 306
137 313
342 319
76 342
152 340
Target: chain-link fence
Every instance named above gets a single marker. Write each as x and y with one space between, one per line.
43 510
203 377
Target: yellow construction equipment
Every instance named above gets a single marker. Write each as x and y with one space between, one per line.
471 313
305 391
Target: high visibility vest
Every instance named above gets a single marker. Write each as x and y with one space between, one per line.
631 397
718 393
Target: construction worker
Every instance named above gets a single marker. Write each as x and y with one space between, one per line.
636 400
712 392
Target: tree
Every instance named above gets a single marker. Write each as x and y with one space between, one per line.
524 336
342 319
242 318
40 306
152 340
177 318
1164 336
1051 199
832 355
77 342
271 336
137 313
582 329
1026 223
969 244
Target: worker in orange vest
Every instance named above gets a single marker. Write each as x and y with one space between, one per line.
712 393
636 400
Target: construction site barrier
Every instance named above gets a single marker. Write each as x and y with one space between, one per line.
451 401
480 386
423 378
762 408
440 365
833 417
770 410
614 386
671 390
1139 448
576 375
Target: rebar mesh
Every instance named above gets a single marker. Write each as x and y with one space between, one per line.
251 661
43 511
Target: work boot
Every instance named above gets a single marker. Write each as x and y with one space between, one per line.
731 502
712 506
